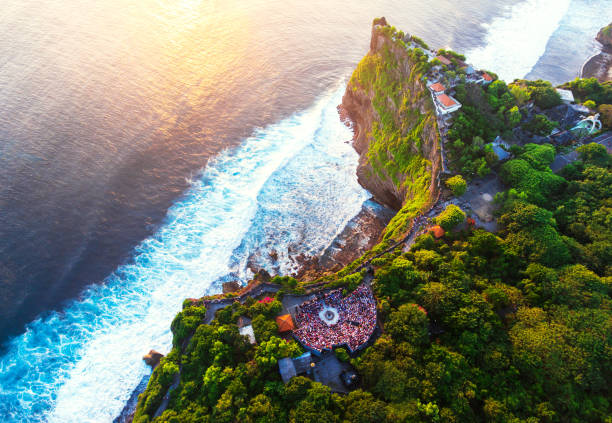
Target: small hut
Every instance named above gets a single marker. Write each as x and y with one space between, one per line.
291 367
285 323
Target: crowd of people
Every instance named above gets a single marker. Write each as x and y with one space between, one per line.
355 325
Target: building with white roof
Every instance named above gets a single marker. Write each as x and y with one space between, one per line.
566 95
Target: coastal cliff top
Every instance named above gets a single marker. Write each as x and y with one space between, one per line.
605 36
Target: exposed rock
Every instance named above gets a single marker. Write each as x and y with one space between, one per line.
274 255
600 65
152 358
358 236
604 36
357 105
263 276
232 286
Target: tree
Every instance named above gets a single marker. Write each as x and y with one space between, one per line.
521 94
591 89
595 154
264 328
545 97
539 156
514 116
531 234
538 185
540 125
269 352
450 217
362 407
457 184
590 104
408 324
186 322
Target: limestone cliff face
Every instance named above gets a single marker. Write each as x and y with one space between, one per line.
395 129
605 36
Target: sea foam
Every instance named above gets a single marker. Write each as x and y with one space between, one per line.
290 184
516 40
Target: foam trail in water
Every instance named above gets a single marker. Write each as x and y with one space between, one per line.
82 364
515 41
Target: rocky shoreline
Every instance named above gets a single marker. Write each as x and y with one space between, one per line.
359 235
600 65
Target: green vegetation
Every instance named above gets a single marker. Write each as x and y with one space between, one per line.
540 125
508 327
402 133
478 327
419 41
486 113
457 185
590 104
531 176
590 89
450 217
541 92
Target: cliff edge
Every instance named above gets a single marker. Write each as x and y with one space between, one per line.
394 124
604 36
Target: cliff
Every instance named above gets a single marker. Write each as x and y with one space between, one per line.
605 36
395 128
600 65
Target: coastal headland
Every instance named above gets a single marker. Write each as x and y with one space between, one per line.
600 65
486 297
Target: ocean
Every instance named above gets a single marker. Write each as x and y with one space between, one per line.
151 149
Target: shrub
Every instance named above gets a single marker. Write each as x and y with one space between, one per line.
450 217
540 125
594 153
186 322
545 97
457 184
539 156
342 355
590 104
591 89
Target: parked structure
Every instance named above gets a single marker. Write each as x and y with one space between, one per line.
566 95
292 367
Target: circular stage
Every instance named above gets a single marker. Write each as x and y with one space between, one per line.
329 315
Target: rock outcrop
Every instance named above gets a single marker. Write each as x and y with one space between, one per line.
230 287
152 358
605 36
395 129
600 65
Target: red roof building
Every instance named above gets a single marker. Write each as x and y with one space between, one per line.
437 88
285 323
446 101
487 77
